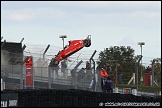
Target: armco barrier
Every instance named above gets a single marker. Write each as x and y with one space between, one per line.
71 98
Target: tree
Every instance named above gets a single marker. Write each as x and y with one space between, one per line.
118 54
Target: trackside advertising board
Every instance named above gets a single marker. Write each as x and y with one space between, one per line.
9 99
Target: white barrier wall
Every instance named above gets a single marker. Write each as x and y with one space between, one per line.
1 84
116 90
134 91
160 93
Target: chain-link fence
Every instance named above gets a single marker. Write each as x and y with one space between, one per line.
17 77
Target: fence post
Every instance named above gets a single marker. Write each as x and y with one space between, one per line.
116 73
96 79
153 62
33 76
21 77
139 57
49 77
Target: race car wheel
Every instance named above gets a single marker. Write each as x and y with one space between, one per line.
87 43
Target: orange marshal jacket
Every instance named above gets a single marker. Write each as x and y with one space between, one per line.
103 73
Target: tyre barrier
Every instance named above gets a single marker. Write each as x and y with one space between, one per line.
67 98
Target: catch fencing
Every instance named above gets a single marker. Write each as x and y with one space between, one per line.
19 77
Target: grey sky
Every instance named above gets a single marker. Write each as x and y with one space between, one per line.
110 23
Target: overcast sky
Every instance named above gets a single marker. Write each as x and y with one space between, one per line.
110 23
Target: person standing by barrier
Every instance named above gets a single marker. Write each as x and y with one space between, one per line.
104 75
110 73
54 67
64 68
92 84
108 85
108 68
119 74
148 69
81 74
88 71
73 76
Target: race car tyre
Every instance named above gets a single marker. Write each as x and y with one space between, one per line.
87 43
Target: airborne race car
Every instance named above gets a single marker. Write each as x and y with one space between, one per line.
73 47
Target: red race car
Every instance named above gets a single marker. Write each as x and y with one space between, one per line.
73 47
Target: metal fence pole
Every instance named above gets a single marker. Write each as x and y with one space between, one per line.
116 73
49 78
21 77
136 75
33 76
139 57
41 78
153 71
